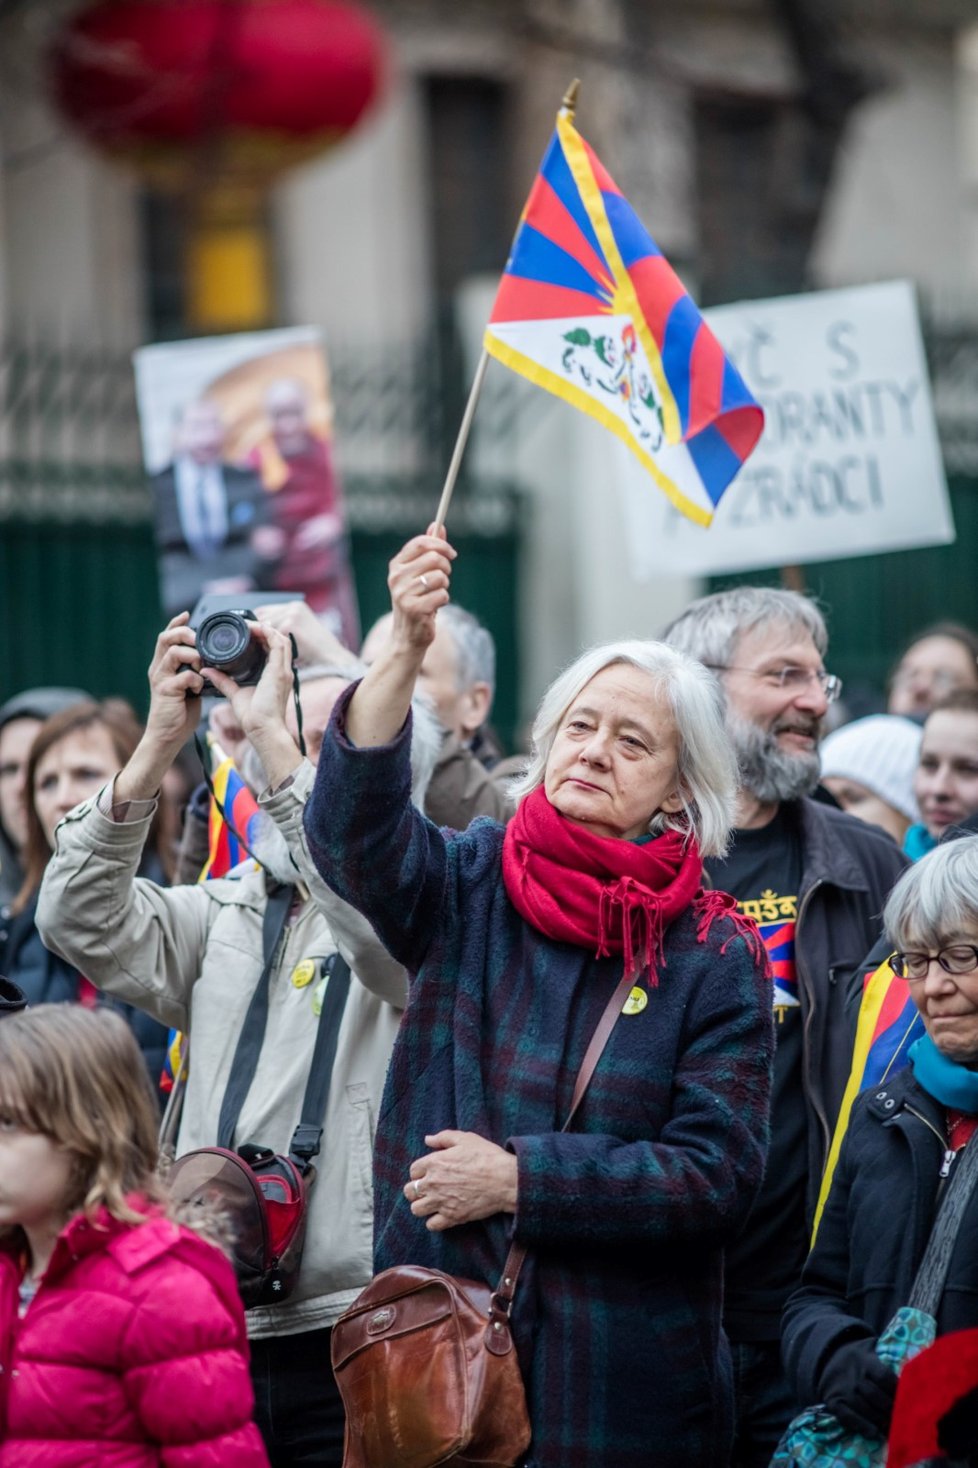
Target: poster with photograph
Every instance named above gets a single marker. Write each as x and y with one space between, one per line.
237 443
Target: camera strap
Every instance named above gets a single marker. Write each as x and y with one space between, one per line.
307 1136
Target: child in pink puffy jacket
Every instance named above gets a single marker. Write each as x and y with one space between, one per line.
122 1337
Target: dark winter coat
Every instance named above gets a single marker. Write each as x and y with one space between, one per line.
617 1314
46 978
132 1353
848 869
873 1233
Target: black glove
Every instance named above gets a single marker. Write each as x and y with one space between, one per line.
858 1388
12 999
957 1431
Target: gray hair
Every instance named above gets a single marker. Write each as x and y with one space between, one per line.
426 732
937 898
707 768
711 627
474 647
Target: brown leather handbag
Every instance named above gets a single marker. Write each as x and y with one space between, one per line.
425 1362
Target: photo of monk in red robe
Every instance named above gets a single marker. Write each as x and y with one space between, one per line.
306 535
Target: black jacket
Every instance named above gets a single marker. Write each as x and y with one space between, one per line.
848 869
42 977
874 1231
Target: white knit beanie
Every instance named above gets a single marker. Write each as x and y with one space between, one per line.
879 753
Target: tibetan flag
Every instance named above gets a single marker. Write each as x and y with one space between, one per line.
590 309
887 1026
225 851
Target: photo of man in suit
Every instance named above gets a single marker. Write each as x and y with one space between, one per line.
209 515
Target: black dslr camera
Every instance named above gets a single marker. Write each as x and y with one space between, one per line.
226 641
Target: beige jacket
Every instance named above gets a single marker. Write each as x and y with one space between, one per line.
191 956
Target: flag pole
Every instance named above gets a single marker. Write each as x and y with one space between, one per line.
460 442
568 105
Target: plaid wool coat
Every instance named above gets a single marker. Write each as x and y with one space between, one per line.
617 1312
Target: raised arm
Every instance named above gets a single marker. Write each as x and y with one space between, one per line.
175 686
419 577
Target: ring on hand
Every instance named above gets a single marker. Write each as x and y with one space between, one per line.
423 580
417 1188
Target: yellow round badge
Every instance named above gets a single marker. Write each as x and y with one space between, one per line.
304 973
635 1002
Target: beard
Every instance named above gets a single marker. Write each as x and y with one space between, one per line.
767 771
272 850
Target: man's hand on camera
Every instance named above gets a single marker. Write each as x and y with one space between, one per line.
175 686
260 710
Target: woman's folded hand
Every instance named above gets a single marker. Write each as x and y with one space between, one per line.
463 1178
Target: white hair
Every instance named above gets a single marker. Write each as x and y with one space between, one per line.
707 767
937 898
711 627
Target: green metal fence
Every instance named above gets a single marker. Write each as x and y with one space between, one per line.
78 590
79 599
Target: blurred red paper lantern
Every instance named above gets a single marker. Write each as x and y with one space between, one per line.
264 82
212 99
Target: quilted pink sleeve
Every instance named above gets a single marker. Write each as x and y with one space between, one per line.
185 1365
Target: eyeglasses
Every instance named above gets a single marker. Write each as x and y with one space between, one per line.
960 958
789 680
939 680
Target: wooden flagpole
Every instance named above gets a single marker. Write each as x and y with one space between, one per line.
461 440
568 105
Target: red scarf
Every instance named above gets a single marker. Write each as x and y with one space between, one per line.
609 895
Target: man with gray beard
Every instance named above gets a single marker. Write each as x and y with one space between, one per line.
192 956
815 880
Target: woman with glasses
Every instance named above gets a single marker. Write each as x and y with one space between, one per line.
902 1145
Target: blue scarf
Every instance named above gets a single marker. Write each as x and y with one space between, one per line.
917 842
947 1081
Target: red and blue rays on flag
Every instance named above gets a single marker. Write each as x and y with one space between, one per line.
225 851
590 309
888 1024
893 1024
779 942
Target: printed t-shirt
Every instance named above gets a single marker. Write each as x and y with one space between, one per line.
763 872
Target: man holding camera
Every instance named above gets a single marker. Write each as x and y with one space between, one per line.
192 956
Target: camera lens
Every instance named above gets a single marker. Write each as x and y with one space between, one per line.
225 642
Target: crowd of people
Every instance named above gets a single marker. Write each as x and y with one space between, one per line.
680 829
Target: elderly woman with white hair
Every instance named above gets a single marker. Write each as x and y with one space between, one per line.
904 1142
518 937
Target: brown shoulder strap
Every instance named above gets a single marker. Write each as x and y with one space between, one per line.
498 1338
599 1040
